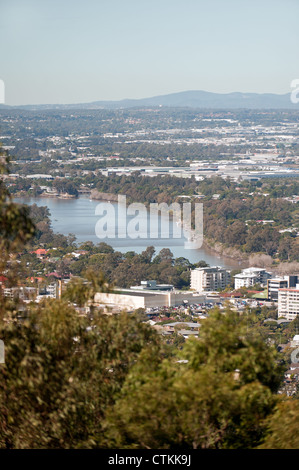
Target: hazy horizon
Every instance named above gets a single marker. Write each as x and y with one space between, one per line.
69 52
142 98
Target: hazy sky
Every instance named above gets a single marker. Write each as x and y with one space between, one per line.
72 51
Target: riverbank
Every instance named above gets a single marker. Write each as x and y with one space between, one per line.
26 194
94 195
100 196
226 252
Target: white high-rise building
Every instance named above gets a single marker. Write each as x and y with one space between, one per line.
288 303
251 276
209 279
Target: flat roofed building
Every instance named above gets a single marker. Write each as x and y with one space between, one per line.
288 281
129 299
293 280
288 303
152 285
209 279
251 276
273 286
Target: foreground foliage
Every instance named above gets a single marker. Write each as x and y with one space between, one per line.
61 373
111 382
218 399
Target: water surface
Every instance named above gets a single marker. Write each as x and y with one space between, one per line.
77 216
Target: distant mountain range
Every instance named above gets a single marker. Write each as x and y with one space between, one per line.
186 99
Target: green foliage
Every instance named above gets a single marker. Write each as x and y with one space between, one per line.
282 431
15 225
61 373
204 403
228 343
81 291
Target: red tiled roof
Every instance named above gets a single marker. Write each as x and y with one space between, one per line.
41 251
32 279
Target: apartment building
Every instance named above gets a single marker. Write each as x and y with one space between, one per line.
22 293
251 276
274 284
288 303
209 279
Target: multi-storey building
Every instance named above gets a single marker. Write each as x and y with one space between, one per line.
251 276
209 279
49 291
288 303
22 293
273 285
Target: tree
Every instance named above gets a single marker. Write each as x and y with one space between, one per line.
260 260
16 228
282 431
82 291
218 397
147 255
15 225
62 372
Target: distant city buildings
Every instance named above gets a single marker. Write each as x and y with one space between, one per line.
50 291
29 294
185 329
22 293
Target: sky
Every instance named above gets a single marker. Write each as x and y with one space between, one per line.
76 51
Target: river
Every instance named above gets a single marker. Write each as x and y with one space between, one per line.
77 216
